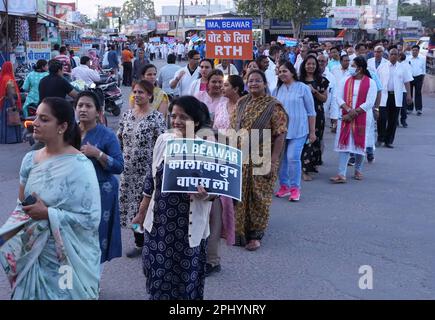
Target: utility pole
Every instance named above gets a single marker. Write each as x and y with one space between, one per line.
182 21
263 33
98 18
178 19
7 28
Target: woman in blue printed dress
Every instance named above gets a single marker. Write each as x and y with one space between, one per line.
101 146
176 224
138 131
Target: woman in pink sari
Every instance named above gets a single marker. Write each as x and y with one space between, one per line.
222 224
356 96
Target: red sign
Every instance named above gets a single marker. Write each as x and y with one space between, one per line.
229 44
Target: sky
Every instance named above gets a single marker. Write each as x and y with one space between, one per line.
89 7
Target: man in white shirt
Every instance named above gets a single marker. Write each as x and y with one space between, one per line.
330 106
351 53
167 73
301 57
271 76
404 109
335 58
378 60
393 77
83 72
184 77
152 49
180 51
342 71
227 68
418 67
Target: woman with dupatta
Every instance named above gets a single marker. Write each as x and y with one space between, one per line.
262 112
50 249
9 100
160 101
356 97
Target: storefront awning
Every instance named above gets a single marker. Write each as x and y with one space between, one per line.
281 31
55 20
47 18
325 33
179 32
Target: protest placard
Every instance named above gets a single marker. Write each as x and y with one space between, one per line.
192 162
229 39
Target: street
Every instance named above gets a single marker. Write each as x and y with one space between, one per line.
313 249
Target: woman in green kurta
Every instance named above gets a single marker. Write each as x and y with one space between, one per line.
50 250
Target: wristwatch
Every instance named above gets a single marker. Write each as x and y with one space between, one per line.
100 155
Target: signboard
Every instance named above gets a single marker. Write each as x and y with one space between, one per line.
280 24
346 12
229 39
53 35
345 23
37 50
20 7
289 42
162 27
317 24
192 162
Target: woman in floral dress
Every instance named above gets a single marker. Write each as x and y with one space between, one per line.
138 131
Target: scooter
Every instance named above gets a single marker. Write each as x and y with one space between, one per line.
112 93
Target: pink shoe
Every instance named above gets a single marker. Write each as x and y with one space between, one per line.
295 194
284 191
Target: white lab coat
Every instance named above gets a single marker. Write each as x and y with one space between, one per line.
366 106
402 75
271 77
371 64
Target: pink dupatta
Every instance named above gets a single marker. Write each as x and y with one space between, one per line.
358 125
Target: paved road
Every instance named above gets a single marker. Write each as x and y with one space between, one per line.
313 249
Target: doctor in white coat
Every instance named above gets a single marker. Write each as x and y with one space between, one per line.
393 77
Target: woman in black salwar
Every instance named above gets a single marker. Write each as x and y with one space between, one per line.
176 224
312 152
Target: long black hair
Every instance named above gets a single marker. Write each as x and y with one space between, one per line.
362 63
197 110
64 112
292 70
237 82
317 73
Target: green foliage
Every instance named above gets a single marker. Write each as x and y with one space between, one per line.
135 9
298 11
419 12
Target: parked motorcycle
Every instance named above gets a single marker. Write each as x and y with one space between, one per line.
112 93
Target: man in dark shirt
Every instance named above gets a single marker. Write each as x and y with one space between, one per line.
55 85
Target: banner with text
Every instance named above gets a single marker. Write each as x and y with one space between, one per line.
37 50
229 39
190 162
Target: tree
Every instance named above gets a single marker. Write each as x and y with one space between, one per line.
135 9
299 12
421 12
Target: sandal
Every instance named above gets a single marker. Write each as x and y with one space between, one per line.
358 176
253 245
338 179
307 177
